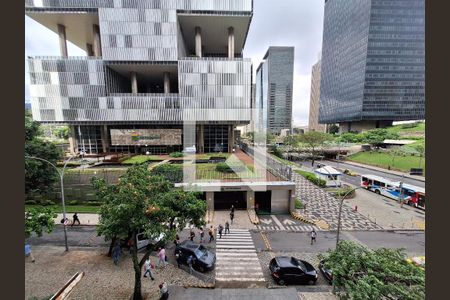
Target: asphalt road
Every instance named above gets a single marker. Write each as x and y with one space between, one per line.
412 241
355 180
77 236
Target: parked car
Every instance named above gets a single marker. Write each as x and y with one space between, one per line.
204 259
290 270
144 242
327 273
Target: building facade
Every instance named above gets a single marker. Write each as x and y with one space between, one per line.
157 75
274 81
373 63
313 120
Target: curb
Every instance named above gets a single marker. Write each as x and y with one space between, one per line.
201 286
254 219
303 219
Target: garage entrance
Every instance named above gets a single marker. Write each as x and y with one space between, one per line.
263 202
224 200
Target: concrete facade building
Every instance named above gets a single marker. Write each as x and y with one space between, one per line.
373 63
156 75
274 81
313 120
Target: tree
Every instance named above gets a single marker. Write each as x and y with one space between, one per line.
360 273
420 148
38 220
375 137
333 129
292 140
314 140
142 201
38 175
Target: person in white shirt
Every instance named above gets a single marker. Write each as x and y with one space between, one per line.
148 268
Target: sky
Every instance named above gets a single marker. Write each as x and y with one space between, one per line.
297 23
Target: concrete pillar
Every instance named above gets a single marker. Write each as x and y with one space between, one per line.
104 137
166 83
200 139
198 41
73 145
62 40
89 50
134 85
250 199
97 42
230 42
230 138
292 197
210 200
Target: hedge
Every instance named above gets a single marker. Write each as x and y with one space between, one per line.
313 178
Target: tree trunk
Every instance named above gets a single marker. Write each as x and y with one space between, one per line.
137 295
171 223
111 246
313 156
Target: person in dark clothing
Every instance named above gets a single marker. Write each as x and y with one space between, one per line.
211 234
75 219
313 236
231 217
178 258
220 230
232 209
192 235
227 227
116 253
163 291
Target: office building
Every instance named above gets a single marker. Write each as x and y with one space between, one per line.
274 80
373 63
313 121
157 74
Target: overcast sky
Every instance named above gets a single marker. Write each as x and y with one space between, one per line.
297 23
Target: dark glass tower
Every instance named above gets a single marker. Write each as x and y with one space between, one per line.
373 63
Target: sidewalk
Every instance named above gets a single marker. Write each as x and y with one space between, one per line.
85 219
398 173
177 292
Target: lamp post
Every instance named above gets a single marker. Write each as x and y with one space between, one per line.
61 178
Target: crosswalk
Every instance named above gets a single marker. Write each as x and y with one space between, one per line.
236 258
297 228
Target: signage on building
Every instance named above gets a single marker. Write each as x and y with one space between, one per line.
149 137
232 188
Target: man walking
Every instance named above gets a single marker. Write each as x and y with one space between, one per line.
313 236
178 258
148 268
232 209
75 219
232 216
162 257
220 230
191 235
227 227
190 262
163 291
202 235
116 253
211 234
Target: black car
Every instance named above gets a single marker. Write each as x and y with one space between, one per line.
290 270
204 259
326 272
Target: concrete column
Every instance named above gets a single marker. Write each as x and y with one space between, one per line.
166 83
230 42
198 41
200 139
210 200
230 138
97 41
250 199
134 85
104 137
73 145
89 50
62 40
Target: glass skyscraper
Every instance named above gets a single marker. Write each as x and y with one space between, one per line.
373 63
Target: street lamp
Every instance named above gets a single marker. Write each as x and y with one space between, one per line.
61 178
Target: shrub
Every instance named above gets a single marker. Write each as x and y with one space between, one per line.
298 204
47 202
226 168
176 154
313 178
72 202
93 203
173 173
30 202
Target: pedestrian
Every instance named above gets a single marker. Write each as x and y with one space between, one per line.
211 234
191 235
227 227
202 235
148 268
220 230
163 291
190 262
162 257
313 236
75 219
232 216
116 252
28 252
232 209
178 258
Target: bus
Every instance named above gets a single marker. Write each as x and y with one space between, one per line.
412 195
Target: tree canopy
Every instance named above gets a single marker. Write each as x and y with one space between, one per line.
360 273
314 140
143 201
39 175
38 220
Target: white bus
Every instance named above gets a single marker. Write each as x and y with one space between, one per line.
412 195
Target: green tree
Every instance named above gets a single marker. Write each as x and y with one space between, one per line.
314 140
38 175
292 140
142 201
360 273
38 220
333 129
375 137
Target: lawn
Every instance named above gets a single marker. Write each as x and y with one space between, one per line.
70 208
140 159
384 160
282 160
208 171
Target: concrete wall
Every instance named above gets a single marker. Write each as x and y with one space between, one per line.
250 199
280 201
210 200
362 126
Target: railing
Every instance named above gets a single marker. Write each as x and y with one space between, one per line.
64 57
216 58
